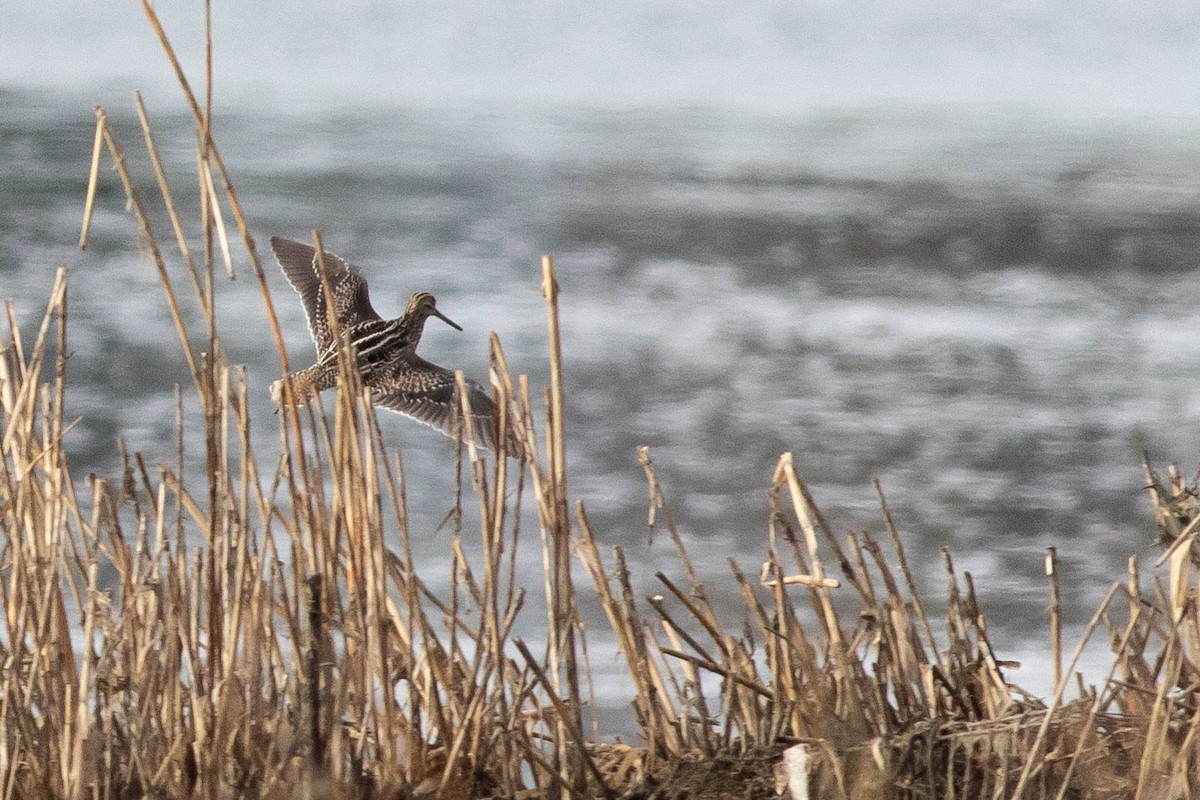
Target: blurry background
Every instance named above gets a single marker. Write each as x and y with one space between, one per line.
951 246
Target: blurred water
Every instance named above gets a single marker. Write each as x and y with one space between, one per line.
952 249
1096 57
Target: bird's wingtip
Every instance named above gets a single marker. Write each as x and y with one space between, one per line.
284 247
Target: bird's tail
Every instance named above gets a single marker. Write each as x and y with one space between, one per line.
304 384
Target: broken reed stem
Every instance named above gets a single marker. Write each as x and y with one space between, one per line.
150 242
1034 749
89 201
564 664
785 473
902 561
1055 614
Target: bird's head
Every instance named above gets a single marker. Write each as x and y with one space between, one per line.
422 305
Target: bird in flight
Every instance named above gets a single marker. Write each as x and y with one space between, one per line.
384 350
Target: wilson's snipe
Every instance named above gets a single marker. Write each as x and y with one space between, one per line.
385 350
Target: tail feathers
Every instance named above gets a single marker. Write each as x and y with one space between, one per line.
304 384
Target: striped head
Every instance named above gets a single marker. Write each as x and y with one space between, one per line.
422 306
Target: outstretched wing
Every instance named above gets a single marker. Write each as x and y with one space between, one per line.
427 393
351 304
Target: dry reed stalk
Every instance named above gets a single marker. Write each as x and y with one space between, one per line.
1055 613
164 189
